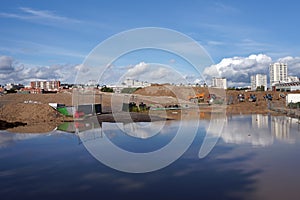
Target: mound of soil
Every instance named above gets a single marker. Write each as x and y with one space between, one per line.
171 91
63 98
29 113
182 92
233 107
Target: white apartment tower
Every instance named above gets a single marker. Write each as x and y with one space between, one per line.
259 80
219 83
278 73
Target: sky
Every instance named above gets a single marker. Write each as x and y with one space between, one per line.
48 40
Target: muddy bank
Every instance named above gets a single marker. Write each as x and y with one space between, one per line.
6 125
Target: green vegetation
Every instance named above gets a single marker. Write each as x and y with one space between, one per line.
260 88
237 88
231 88
106 89
130 90
294 105
11 91
133 107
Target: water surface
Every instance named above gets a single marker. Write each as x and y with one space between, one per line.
257 157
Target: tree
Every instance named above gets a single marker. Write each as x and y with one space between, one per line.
106 89
231 88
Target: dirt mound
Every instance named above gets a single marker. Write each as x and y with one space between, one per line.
230 97
161 90
63 98
171 91
180 92
29 113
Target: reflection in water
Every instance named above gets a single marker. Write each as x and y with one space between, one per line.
261 130
7 138
54 166
260 121
281 127
247 130
80 126
125 136
143 130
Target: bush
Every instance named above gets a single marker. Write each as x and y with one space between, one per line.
294 105
231 88
11 91
106 89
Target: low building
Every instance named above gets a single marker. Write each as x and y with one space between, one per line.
45 85
129 83
286 87
293 79
135 83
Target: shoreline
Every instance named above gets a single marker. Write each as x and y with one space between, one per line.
33 109
123 117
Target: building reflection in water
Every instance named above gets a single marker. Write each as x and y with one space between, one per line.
281 127
251 130
260 121
259 130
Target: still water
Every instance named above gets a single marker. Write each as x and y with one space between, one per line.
256 157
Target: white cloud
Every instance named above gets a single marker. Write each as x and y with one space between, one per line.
293 65
172 61
215 43
12 71
199 81
239 69
138 70
221 7
154 73
40 16
6 64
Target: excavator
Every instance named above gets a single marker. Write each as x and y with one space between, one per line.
198 97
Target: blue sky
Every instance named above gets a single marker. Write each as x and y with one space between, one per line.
40 37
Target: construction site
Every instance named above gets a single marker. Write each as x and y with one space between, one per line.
164 101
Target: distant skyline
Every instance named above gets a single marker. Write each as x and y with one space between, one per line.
50 39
